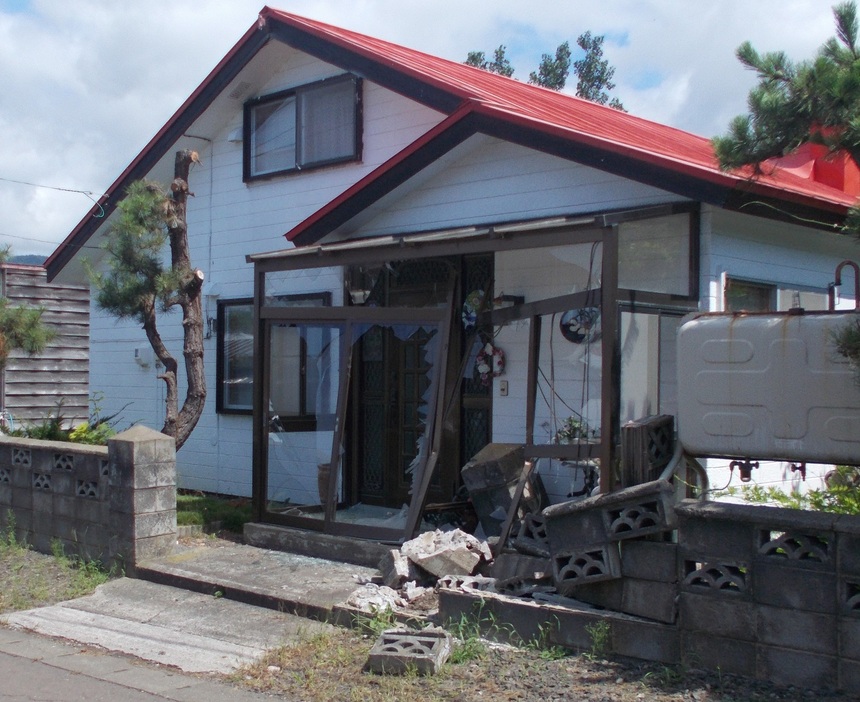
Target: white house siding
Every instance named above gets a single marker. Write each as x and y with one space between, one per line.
228 219
486 180
791 257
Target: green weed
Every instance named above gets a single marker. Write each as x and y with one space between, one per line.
600 633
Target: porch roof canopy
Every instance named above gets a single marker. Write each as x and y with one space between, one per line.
447 242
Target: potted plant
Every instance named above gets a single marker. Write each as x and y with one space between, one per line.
572 429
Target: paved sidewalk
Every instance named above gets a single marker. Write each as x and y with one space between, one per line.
34 668
208 624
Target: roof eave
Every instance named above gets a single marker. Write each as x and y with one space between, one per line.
227 69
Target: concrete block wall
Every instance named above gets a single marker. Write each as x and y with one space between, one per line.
114 504
770 593
758 591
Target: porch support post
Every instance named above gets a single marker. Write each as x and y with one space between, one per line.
531 387
259 458
610 381
335 466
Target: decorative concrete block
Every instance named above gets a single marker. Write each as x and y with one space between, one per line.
573 568
701 649
802 631
531 538
525 587
799 549
625 514
795 588
716 578
720 616
398 651
799 668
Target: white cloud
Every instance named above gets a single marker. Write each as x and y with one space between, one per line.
86 83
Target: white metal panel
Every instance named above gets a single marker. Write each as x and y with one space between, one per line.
767 386
486 180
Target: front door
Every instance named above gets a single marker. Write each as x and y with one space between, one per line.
392 378
392 374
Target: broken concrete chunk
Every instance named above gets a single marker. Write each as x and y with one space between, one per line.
372 598
447 553
396 569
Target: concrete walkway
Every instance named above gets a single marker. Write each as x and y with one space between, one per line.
34 668
209 624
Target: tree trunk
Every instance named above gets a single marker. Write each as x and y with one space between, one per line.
180 424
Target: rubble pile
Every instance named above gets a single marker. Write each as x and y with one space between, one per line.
599 550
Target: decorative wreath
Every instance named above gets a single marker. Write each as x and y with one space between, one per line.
474 303
490 363
582 325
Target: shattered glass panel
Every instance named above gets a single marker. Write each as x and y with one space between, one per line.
297 466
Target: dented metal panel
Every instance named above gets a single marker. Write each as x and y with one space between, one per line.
767 386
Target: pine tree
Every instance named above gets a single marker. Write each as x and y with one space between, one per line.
21 328
553 70
500 63
593 72
138 286
814 101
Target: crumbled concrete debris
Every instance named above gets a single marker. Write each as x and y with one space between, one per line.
447 553
397 569
375 598
411 591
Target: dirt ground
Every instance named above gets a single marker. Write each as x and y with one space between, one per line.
327 667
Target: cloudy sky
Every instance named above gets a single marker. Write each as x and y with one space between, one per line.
86 83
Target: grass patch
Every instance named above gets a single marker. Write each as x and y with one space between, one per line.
206 510
29 579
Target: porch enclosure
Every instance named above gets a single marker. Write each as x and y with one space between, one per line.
365 410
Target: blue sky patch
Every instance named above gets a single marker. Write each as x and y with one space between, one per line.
11 7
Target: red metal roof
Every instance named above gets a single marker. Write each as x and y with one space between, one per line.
565 115
472 91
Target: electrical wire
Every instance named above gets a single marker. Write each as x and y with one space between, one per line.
87 193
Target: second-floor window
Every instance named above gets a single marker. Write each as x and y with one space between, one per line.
314 125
